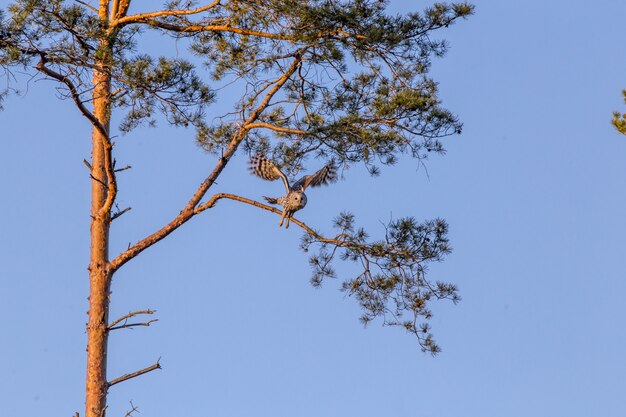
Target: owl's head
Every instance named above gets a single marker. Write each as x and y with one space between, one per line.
297 199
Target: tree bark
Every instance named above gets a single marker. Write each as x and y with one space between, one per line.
99 271
99 275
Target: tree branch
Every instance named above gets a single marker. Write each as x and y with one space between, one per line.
119 213
144 16
97 179
189 210
111 180
214 199
129 315
123 169
126 326
119 9
132 410
196 28
41 66
126 377
89 6
262 125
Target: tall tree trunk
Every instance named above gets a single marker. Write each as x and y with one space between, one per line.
99 272
99 275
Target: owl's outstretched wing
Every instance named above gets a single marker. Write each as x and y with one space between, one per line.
264 168
324 176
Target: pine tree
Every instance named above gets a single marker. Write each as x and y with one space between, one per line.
341 80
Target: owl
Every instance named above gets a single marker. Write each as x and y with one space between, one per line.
295 198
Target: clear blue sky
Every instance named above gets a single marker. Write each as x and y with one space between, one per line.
533 191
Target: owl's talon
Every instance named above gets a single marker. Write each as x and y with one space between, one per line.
282 218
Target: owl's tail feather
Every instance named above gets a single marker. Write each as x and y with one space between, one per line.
271 200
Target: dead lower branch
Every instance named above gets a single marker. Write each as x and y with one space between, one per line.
126 377
123 169
131 325
97 179
129 315
89 6
119 213
132 410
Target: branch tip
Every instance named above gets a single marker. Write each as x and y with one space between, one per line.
119 213
140 372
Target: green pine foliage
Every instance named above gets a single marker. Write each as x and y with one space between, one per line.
392 279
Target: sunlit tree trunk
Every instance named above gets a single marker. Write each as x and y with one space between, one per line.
99 273
99 276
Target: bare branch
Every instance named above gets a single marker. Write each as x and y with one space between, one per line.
126 377
132 410
119 213
129 315
41 66
123 169
89 6
97 179
87 164
131 325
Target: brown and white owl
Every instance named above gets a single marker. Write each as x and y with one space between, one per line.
295 198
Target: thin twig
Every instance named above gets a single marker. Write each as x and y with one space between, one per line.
90 7
126 377
119 213
123 169
41 66
96 179
132 410
131 325
87 164
129 315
